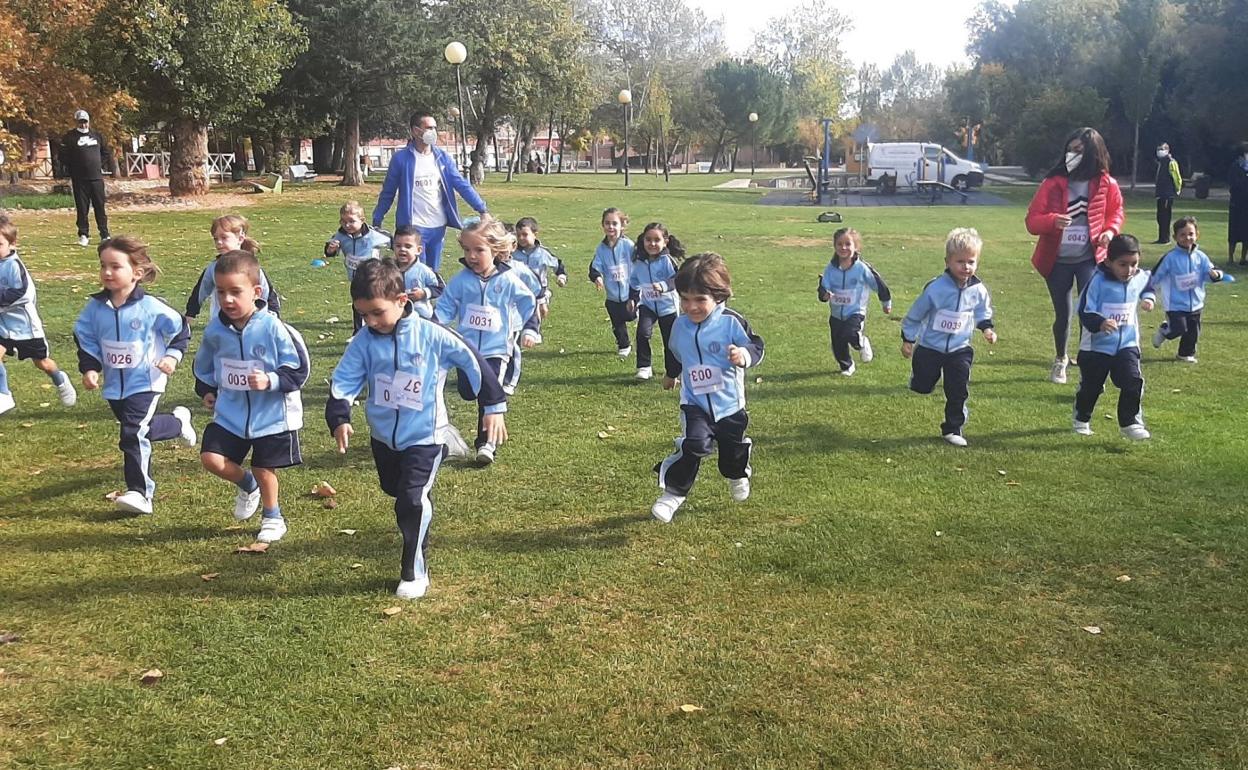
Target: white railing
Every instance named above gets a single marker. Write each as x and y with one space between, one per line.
218 163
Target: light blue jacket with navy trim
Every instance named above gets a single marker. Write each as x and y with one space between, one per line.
159 329
502 289
418 275
270 346
417 348
1107 297
945 315
206 291
529 326
1181 276
402 173
614 265
354 249
661 270
19 318
847 291
541 262
708 380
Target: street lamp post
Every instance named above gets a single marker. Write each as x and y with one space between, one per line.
753 122
456 54
626 99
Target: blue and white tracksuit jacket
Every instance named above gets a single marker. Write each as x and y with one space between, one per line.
646 273
1181 277
401 370
420 276
19 318
227 355
541 262
614 265
206 291
847 291
945 315
482 308
354 249
125 343
708 380
1107 297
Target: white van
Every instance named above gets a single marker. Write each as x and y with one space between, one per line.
910 162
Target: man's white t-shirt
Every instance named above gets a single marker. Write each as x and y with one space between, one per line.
427 208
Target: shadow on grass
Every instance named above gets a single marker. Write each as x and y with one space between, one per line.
813 438
601 534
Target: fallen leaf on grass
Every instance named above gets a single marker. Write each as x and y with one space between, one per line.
357 565
347 531
112 496
689 708
1123 578
220 741
1177 390
1000 472
253 548
391 611
1094 630
209 576
758 380
939 533
610 427
330 503
323 489
28 425
8 637
151 676
82 426
45 404
603 434
1013 483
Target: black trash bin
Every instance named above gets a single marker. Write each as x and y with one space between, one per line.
1201 184
236 171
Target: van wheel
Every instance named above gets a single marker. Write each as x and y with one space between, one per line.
960 183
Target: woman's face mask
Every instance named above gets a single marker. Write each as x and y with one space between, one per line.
1073 159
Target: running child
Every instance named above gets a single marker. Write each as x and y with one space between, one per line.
1109 345
937 331
21 328
1181 275
653 294
249 370
229 233
844 285
609 271
399 358
535 256
423 285
356 242
713 346
530 329
129 343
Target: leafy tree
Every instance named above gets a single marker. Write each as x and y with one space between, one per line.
740 88
1144 50
1048 118
803 46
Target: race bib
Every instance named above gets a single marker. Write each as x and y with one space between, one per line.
1122 312
482 318
648 292
704 380
355 260
1075 236
843 297
1186 281
234 373
407 390
122 355
383 392
949 322
618 273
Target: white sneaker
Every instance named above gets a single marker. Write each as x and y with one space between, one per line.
850 371
187 437
624 352
455 444
1187 359
6 402
1082 428
739 489
956 439
413 589
133 502
1135 432
1159 336
66 392
867 353
644 373
485 454
1057 374
271 530
246 504
665 507
84 240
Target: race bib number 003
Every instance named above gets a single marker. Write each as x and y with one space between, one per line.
949 322
122 355
234 373
704 380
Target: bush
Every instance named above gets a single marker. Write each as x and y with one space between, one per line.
1046 122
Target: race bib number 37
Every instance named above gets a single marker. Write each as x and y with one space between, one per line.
122 355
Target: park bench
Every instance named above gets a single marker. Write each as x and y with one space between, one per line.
299 172
272 184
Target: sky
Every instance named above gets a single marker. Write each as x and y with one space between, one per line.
935 29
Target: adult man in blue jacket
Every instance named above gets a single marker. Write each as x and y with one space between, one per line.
426 180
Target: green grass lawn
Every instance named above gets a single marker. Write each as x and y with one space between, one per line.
882 600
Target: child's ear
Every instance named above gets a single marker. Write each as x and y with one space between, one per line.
259 291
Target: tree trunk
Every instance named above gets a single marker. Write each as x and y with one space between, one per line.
732 163
323 155
339 141
719 148
240 154
187 176
1135 156
259 158
351 175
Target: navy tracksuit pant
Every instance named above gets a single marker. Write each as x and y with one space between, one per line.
645 329
1186 328
1124 370
846 334
699 434
620 317
140 426
408 476
929 366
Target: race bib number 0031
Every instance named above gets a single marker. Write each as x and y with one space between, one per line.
482 318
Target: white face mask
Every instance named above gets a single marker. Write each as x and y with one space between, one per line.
1073 159
84 129
429 137
1161 154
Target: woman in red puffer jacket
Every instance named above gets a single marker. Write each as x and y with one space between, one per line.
1076 212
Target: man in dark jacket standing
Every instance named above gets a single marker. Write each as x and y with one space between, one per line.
1169 183
84 154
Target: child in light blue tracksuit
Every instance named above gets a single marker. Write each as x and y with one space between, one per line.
133 342
539 259
844 285
653 293
21 328
479 300
1181 276
401 359
609 272
356 242
713 346
936 333
424 286
530 328
249 370
1110 341
229 233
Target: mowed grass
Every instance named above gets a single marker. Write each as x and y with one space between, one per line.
882 600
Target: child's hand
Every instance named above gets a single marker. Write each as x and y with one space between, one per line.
1146 305
737 356
90 380
668 382
991 336
598 284
416 295
342 434
332 246
1061 221
907 349
527 342
495 428
1103 239
167 364
658 287
1215 274
210 400
1109 325
543 310
630 307
562 280
258 381
888 310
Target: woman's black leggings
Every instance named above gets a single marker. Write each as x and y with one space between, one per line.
1060 281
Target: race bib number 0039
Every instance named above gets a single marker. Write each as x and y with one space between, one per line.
949 322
